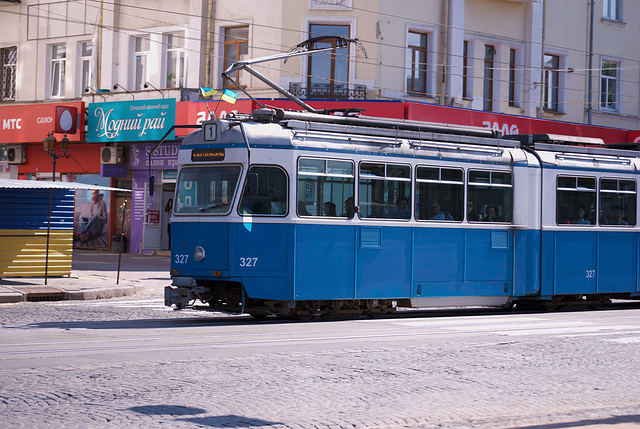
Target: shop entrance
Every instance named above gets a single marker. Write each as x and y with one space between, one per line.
165 225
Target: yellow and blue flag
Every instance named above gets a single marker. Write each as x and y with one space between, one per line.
229 96
208 92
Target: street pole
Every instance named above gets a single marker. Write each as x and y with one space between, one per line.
124 209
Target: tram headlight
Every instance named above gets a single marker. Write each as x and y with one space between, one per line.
198 253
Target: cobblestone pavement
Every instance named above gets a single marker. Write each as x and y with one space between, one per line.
580 378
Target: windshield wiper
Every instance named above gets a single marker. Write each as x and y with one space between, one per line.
212 206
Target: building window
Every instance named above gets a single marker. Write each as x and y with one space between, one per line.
325 187
8 56
491 194
551 82
417 62
611 9
439 194
576 200
58 63
465 70
328 71
141 48
175 46
236 48
617 202
384 190
609 86
86 51
512 77
487 91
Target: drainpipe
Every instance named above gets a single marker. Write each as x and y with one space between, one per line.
99 48
590 83
209 26
544 23
443 52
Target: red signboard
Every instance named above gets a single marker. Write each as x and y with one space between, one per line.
194 113
153 216
197 112
510 124
29 123
634 136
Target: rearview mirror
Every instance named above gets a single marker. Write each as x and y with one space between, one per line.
152 182
252 185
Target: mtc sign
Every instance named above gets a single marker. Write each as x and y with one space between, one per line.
29 123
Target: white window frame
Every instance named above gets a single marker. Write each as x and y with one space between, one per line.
612 9
56 66
84 61
562 80
617 82
432 58
519 75
137 83
181 53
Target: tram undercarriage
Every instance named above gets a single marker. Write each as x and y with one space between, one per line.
227 296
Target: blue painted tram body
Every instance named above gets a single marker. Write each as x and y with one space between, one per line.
303 214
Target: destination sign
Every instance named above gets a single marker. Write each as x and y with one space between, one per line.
200 155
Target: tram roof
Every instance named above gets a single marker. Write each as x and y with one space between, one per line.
42 184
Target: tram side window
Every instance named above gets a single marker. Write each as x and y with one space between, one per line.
384 191
207 190
490 194
325 187
576 201
439 194
617 202
270 196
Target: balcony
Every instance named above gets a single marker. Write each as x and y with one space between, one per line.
337 91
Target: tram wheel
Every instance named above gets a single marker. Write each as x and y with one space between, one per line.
304 311
549 305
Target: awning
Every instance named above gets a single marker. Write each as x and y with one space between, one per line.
43 184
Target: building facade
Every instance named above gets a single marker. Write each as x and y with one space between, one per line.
517 65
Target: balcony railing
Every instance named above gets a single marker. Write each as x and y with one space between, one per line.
326 90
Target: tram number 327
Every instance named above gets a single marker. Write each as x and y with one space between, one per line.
248 262
591 274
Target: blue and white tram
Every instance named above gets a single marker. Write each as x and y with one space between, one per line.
304 214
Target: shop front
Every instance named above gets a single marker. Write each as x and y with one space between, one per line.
135 128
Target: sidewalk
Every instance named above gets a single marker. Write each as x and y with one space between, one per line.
94 275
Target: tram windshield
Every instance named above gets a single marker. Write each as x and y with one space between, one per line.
206 190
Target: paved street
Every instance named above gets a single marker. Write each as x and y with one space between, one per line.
130 362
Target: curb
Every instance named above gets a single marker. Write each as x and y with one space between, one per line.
11 297
99 293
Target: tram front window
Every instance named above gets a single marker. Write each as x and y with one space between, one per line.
206 190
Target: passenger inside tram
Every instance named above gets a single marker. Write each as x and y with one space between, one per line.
436 213
329 209
492 214
348 208
402 209
580 219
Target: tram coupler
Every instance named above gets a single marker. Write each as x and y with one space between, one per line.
181 296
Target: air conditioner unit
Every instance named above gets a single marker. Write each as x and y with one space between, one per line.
112 155
16 154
